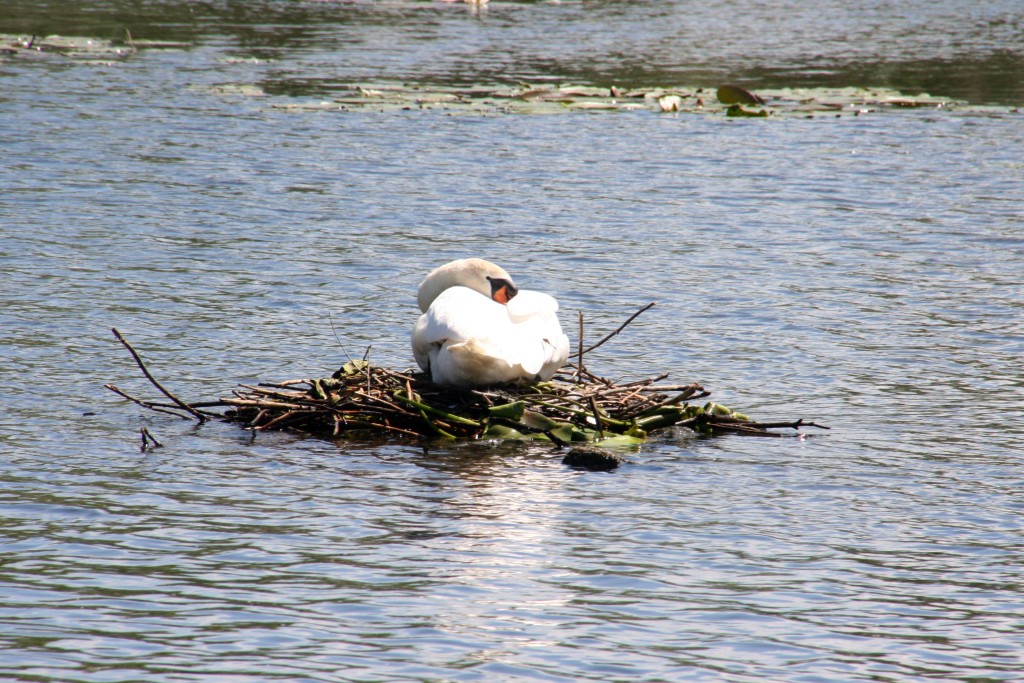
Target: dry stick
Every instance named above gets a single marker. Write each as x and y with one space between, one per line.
145 404
245 402
641 386
366 357
646 383
147 435
335 331
399 375
689 392
202 404
142 366
287 394
742 429
383 401
640 402
592 377
620 328
781 425
259 416
597 417
290 415
579 346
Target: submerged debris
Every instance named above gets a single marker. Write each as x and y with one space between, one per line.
592 458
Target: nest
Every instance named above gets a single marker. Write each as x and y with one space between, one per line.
361 397
363 400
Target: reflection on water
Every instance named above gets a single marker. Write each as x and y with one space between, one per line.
863 272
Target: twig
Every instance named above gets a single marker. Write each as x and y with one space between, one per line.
579 346
257 403
648 382
620 328
147 437
256 420
142 366
366 359
145 404
290 416
741 428
688 392
597 418
782 425
335 331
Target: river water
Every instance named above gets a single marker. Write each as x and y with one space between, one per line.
862 271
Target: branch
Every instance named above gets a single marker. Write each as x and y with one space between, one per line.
146 404
782 425
579 348
148 438
620 328
142 366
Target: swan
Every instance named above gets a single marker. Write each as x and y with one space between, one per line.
478 328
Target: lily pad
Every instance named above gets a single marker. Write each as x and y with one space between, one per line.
78 48
733 94
545 99
737 110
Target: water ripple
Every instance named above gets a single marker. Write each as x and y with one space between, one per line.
862 272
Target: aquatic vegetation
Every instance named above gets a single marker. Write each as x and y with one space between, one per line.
728 100
526 98
78 48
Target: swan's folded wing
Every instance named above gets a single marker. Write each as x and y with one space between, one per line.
460 313
535 317
531 304
459 316
466 339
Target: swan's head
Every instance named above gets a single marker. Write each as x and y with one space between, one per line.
483 276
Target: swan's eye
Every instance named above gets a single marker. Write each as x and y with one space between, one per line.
502 290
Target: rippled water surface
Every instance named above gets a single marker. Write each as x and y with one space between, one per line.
864 272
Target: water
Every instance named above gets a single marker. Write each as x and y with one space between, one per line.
862 272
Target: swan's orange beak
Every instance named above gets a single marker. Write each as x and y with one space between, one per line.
502 290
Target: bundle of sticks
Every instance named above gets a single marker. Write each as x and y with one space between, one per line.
362 399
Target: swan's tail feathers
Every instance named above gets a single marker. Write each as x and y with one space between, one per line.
556 353
533 363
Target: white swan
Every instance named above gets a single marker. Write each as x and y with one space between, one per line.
477 328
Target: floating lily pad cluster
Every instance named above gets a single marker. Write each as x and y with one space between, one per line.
728 100
522 98
77 48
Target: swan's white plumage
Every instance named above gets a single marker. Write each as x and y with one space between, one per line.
465 338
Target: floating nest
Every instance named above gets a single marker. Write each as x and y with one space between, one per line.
362 400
